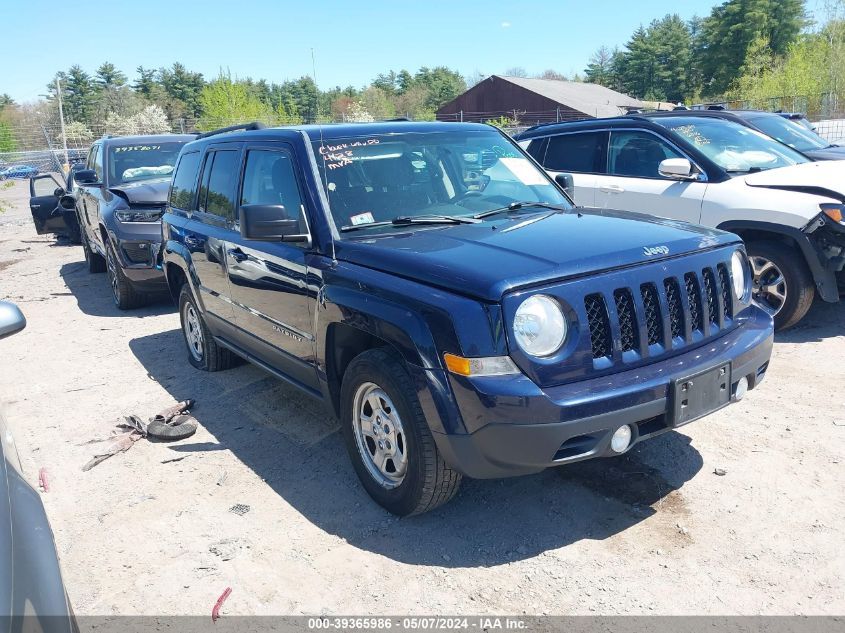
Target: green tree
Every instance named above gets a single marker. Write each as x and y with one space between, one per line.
79 95
441 83
183 87
225 101
7 139
108 76
728 33
602 68
655 63
146 83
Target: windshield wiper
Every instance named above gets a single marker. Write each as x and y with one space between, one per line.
407 220
515 206
750 170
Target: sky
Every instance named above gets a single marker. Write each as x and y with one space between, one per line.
352 42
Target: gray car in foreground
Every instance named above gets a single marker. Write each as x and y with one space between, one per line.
32 595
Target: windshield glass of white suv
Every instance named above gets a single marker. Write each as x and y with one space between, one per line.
370 179
734 147
141 161
789 132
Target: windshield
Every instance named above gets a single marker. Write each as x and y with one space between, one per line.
378 178
790 132
131 163
734 147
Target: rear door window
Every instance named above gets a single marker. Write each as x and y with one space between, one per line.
184 186
220 177
578 152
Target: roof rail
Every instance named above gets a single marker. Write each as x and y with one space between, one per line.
255 125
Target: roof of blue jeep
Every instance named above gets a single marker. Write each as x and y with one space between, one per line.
331 131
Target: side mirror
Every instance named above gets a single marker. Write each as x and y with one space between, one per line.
58 192
67 202
677 169
269 223
567 183
12 319
86 177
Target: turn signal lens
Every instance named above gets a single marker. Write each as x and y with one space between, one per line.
490 366
833 211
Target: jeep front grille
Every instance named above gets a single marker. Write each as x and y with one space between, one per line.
694 297
676 309
710 291
727 294
651 306
600 336
627 319
689 306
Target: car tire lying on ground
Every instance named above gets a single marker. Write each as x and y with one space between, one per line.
203 351
124 293
388 439
783 285
178 428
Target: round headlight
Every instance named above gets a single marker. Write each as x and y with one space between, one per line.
738 274
539 326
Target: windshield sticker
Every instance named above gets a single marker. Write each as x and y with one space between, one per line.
137 148
341 154
362 218
524 170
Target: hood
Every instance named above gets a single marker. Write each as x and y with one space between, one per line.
491 258
152 192
823 178
834 152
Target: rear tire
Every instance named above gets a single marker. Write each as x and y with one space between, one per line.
203 351
783 285
124 293
96 263
395 458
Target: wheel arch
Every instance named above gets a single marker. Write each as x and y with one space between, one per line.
751 231
176 265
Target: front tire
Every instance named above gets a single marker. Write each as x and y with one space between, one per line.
96 263
388 439
123 292
783 285
203 351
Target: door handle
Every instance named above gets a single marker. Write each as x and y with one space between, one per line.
192 242
237 254
611 189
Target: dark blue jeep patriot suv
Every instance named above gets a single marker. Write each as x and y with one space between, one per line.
442 294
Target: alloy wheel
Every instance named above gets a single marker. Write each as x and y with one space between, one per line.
193 331
111 268
380 435
769 289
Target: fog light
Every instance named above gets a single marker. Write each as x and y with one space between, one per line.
621 439
741 388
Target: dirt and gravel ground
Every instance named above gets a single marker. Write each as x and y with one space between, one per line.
656 532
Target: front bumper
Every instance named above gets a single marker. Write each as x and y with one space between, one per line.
521 429
137 245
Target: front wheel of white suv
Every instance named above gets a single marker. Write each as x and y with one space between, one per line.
783 285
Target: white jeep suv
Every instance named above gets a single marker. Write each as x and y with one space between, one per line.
697 167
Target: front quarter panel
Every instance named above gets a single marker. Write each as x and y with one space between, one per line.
734 200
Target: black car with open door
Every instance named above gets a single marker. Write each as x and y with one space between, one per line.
48 216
